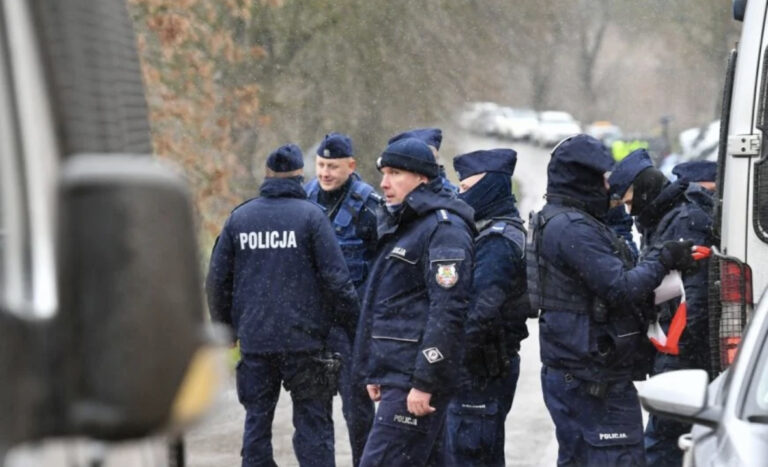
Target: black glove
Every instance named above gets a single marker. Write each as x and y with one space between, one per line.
474 354
677 255
485 354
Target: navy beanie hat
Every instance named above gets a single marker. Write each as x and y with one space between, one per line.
335 146
286 159
409 154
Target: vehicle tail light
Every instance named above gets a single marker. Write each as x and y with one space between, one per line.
730 304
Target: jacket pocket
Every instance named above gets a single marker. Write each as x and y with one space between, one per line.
616 342
395 414
473 427
401 317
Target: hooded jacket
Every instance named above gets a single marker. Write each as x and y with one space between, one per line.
417 294
578 250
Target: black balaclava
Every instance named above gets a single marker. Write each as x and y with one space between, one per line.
493 187
646 187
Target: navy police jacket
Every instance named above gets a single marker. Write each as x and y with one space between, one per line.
417 295
683 211
499 280
272 269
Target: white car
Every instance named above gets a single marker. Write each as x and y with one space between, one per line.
516 124
473 112
554 126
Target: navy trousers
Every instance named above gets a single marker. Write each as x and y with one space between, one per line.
592 430
401 439
356 406
258 388
474 429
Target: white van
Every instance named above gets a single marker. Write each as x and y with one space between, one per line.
741 208
730 414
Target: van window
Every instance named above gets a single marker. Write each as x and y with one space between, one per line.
760 204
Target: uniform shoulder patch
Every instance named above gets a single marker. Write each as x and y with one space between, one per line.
433 355
446 275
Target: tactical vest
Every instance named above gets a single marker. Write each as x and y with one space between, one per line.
344 224
550 286
512 229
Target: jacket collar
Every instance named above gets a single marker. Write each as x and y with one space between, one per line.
283 188
671 195
424 199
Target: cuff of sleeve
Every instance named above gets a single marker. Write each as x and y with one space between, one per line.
422 385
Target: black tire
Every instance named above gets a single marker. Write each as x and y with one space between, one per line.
96 88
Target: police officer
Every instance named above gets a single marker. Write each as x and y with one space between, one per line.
271 267
350 204
667 211
498 309
432 137
590 297
416 299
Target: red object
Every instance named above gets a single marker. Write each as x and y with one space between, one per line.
728 348
676 328
701 252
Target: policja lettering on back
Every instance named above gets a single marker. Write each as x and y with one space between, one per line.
278 279
270 239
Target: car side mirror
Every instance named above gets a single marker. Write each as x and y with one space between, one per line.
680 394
132 319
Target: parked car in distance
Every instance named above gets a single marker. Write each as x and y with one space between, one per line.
554 125
730 414
516 123
473 112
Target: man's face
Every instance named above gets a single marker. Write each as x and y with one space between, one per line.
627 199
469 182
333 173
711 186
397 183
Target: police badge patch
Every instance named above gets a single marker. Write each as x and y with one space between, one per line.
446 276
432 354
